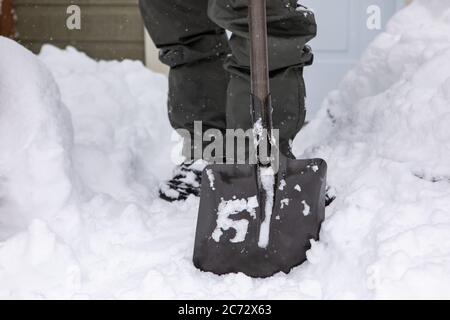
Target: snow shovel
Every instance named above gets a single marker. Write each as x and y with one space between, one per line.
254 220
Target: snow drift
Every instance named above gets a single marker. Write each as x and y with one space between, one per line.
386 135
84 144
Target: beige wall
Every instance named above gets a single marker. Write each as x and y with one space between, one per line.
110 29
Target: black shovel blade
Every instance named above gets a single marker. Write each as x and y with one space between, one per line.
229 227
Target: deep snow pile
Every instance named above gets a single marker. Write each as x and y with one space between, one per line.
386 136
79 213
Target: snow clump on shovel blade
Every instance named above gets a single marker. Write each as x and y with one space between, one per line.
229 208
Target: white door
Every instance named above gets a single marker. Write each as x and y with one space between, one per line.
343 35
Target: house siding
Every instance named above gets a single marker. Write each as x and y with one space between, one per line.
110 29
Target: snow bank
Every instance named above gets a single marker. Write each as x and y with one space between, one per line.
119 120
79 213
36 178
77 178
386 137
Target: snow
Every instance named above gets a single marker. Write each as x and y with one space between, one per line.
306 208
301 8
85 144
282 185
228 208
385 135
268 183
258 132
284 203
211 178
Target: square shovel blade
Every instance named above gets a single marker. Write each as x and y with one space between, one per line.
230 221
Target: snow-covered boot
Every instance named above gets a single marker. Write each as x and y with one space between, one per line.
186 181
330 196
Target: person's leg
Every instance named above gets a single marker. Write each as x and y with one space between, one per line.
290 27
194 48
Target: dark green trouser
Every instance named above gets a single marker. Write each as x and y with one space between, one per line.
192 41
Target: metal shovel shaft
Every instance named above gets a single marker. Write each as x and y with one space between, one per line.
262 113
259 63
259 66
261 106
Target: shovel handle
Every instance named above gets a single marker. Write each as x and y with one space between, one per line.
261 107
259 62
